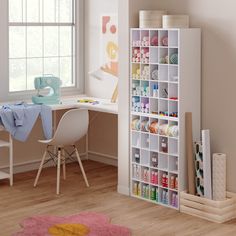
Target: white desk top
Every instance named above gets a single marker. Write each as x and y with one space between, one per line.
70 102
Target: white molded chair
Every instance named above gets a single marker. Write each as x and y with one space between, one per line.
72 127
7 144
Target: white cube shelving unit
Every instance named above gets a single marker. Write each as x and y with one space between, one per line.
165 81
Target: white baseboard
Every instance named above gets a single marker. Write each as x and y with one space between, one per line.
34 164
123 190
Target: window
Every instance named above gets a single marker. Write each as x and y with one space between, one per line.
41 41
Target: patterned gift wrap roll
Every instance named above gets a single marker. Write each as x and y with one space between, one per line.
219 176
199 169
154 127
163 129
145 126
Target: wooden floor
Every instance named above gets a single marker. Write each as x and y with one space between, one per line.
144 219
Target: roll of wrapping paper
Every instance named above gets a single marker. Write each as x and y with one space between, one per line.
154 127
145 125
189 152
206 150
135 124
163 129
219 176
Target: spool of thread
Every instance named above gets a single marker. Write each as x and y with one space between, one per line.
219 176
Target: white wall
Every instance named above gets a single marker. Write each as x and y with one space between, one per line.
217 21
94 10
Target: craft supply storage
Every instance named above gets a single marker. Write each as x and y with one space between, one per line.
164 84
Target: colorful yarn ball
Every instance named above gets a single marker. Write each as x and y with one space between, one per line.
164 41
174 58
154 41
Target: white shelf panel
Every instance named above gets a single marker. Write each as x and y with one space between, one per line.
4 175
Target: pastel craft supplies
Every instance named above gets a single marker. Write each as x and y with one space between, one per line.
155 75
145 55
174 58
145 73
164 41
163 129
154 127
154 40
173 131
135 124
145 126
136 55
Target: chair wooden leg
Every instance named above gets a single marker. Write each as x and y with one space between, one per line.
40 168
58 170
81 167
64 164
11 160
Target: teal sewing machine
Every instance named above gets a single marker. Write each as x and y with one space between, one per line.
51 82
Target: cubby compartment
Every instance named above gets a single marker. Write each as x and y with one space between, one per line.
145 174
174 199
154 159
136 103
163 162
153 127
163 56
135 124
145 190
135 38
173 73
136 55
163 144
163 196
136 88
163 38
154 143
145 38
173 181
173 92
145 89
154 106
154 38
154 72
154 55
145 106
163 127
173 38
136 156
154 193
145 141
154 177
136 171
136 189
135 72
173 147
163 73
173 109
173 164
144 124
163 107
173 129
173 56
154 89
136 139
145 72
145 54
163 90
145 157
163 179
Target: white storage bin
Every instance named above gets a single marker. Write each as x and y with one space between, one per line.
151 19
175 21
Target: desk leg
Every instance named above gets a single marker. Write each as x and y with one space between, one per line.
11 159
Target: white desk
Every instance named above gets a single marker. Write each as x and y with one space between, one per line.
104 105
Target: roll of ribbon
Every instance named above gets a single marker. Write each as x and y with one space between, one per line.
174 58
154 127
173 131
145 125
163 129
219 176
135 124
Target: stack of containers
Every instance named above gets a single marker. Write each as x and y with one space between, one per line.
151 19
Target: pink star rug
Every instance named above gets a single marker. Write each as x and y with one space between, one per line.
83 224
